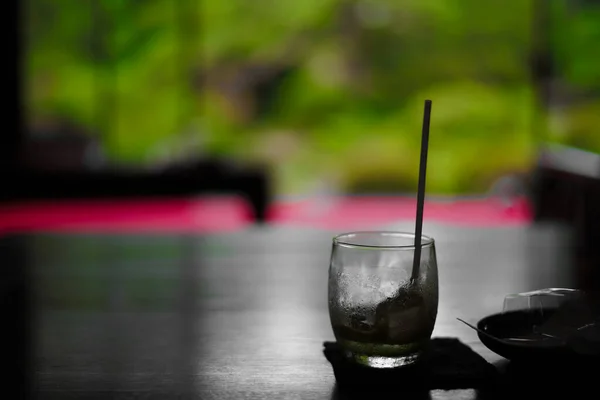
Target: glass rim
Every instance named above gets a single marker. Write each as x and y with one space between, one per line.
426 241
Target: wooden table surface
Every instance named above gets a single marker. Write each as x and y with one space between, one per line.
238 316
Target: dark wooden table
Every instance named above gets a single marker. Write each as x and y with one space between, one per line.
238 316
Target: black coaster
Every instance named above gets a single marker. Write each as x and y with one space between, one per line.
446 363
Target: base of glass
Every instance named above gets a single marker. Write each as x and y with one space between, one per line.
383 361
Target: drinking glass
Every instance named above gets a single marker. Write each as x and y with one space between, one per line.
380 316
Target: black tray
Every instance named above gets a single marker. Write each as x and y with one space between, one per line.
520 323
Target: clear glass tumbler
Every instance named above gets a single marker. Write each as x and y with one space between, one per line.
380 316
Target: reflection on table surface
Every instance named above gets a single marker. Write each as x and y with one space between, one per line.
238 315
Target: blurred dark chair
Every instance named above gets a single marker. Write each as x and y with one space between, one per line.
69 165
566 189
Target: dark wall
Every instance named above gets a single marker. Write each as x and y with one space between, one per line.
12 114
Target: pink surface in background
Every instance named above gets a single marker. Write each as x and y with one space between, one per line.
226 214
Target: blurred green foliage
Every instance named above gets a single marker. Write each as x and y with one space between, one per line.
318 89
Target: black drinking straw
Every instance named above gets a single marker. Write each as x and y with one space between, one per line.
421 189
